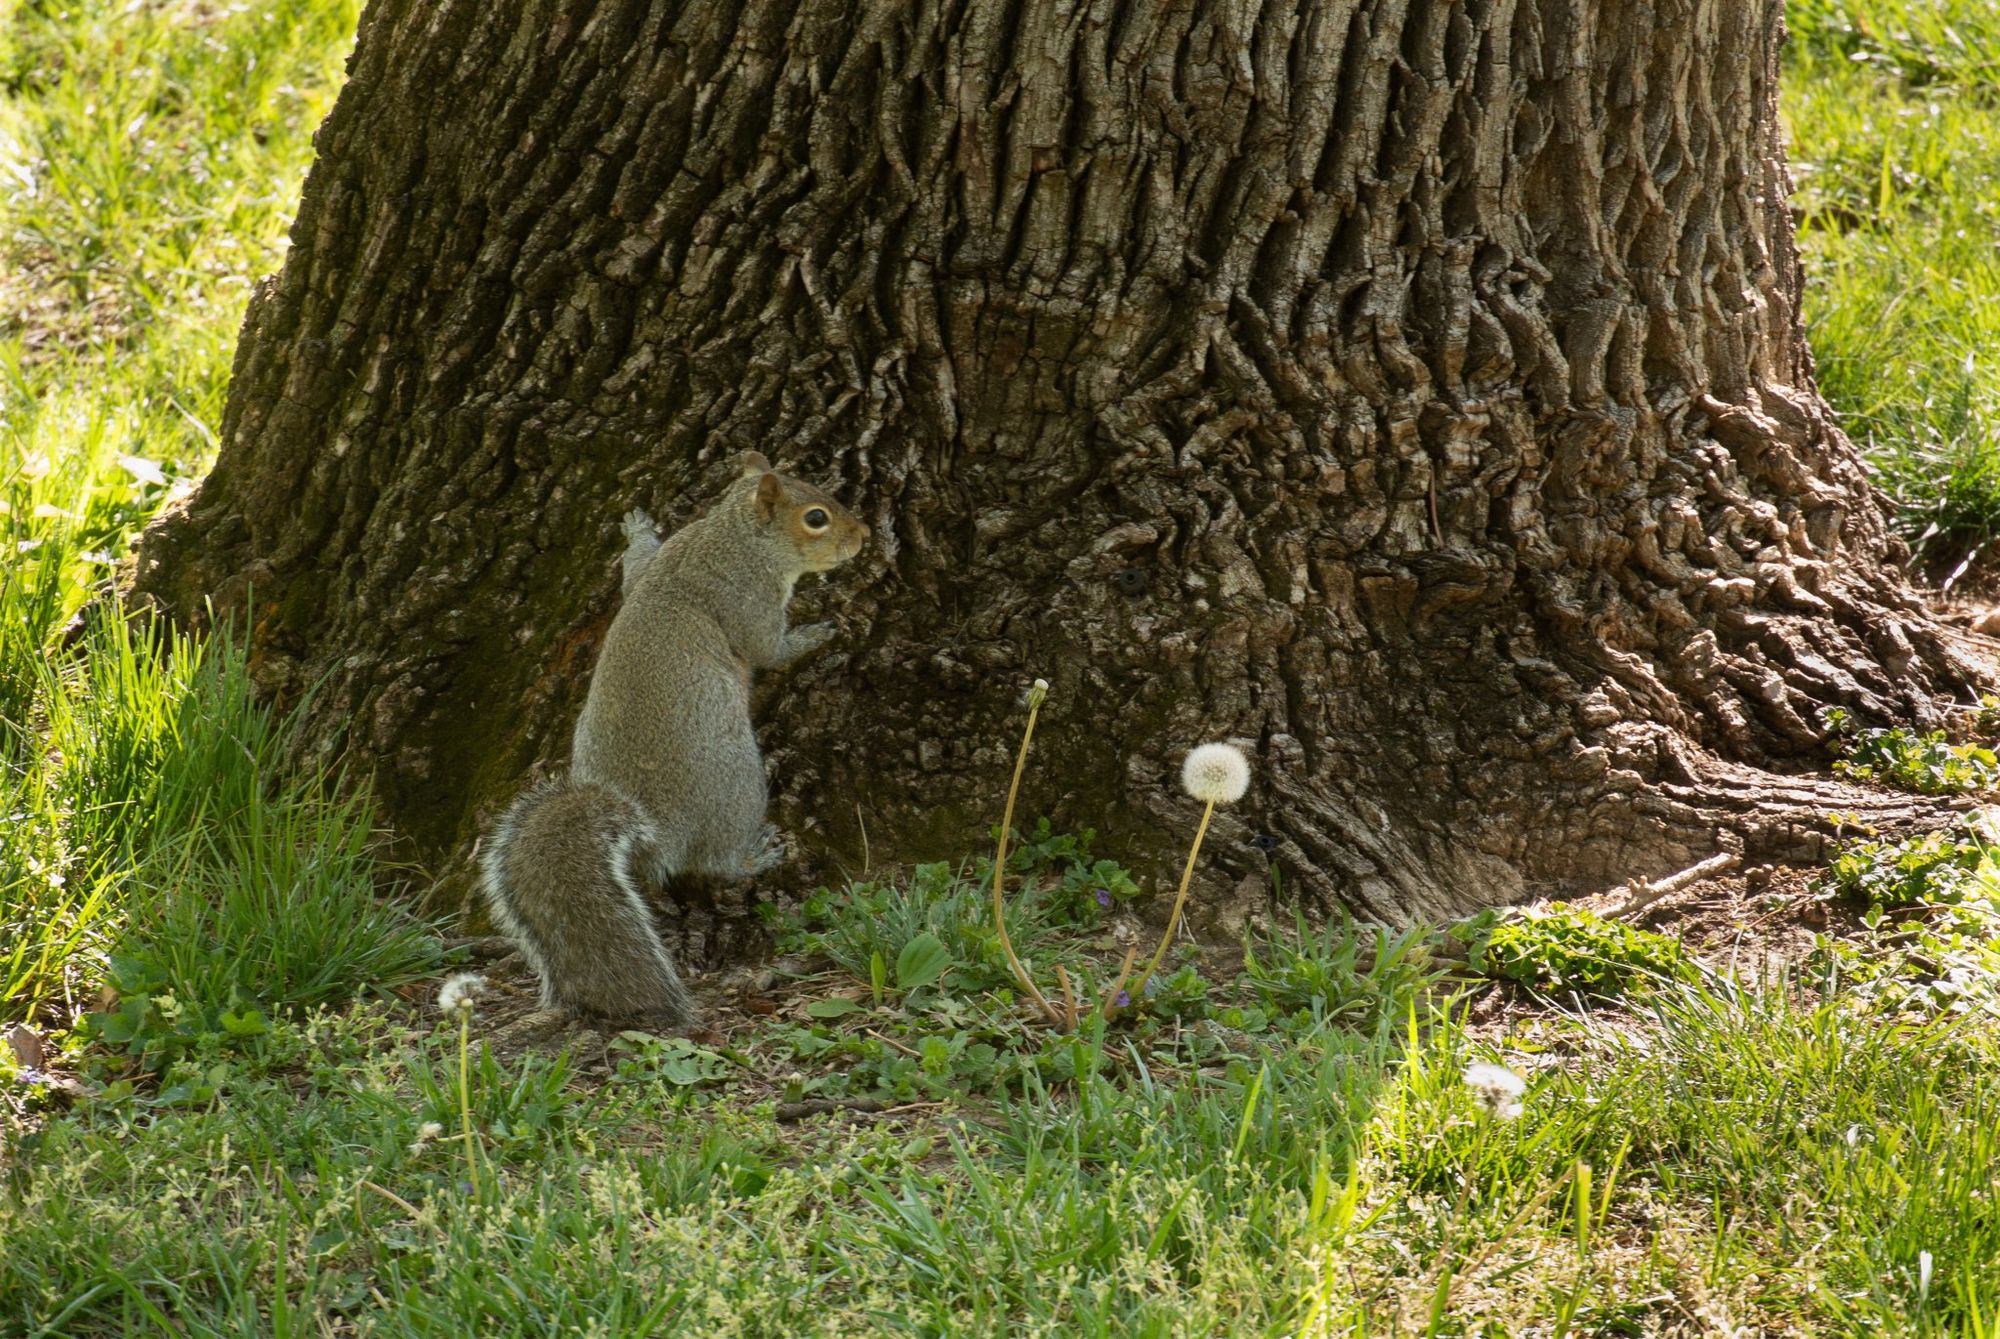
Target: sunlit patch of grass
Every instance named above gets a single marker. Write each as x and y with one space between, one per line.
1894 114
1764 1161
150 155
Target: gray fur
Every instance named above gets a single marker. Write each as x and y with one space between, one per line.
667 718
642 541
665 775
559 875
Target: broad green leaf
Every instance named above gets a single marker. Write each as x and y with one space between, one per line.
921 962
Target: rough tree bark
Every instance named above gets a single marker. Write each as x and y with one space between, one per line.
1412 389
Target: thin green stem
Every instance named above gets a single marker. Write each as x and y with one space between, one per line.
1180 900
1000 867
465 1096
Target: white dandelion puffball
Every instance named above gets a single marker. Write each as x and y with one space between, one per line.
1498 1088
1216 773
459 990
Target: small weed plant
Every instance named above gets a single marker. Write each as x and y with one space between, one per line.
1561 947
1340 974
1932 906
1926 762
1935 869
935 927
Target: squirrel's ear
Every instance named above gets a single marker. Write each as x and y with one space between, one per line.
752 462
770 492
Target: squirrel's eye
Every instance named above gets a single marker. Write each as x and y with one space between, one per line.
816 519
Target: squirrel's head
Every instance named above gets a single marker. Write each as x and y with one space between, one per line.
820 531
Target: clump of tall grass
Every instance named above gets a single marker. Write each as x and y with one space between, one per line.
216 870
1895 147
149 159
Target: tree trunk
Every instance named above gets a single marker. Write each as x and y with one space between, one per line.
1414 391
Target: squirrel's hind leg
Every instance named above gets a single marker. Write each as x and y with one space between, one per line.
763 851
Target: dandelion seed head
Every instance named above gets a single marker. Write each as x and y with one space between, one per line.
1216 773
1495 1078
458 992
426 1132
1497 1088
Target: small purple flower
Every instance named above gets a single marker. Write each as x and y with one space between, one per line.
1124 999
1104 897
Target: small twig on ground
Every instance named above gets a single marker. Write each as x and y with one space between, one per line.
1789 904
891 1041
1641 894
392 1197
862 1106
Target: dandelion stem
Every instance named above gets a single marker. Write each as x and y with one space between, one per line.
465 1095
1000 866
390 1196
1069 998
1180 900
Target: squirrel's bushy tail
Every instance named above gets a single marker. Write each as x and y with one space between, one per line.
562 875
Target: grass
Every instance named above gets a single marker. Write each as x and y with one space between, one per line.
1894 113
1763 1160
264 1135
155 841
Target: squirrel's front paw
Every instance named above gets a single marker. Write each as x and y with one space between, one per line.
807 638
767 854
638 524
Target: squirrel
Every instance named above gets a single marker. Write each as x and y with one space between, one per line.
665 777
